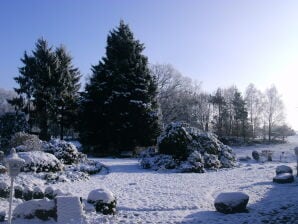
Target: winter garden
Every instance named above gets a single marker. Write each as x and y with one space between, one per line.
141 144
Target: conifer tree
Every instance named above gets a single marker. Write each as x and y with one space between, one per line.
119 107
48 85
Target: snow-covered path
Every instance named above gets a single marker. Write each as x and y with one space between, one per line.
146 196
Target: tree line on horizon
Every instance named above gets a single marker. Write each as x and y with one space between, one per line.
126 102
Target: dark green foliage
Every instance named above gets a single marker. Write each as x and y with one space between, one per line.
174 141
11 123
106 208
4 190
27 194
48 89
37 193
119 108
18 192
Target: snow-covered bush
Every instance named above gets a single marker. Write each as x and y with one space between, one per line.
188 149
103 200
2 216
37 193
49 192
64 151
27 193
3 169
24 142
4 190
43 209
256 155
39 161
174 141
90 166
18 192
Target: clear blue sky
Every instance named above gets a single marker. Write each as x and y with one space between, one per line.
217 42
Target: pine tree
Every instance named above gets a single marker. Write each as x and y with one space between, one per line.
48 88
119 104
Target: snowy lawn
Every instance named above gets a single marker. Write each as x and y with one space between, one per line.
145 196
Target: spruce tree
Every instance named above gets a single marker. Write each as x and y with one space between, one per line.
119 107
48 88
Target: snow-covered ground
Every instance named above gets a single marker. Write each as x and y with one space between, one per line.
146 196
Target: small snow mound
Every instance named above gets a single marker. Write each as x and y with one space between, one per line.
101 194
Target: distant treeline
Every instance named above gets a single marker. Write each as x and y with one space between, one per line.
126 103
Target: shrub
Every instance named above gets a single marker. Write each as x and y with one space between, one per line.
4 190
27 193
103 200
43 209
18 192
38 161
24 142
256 155
49 192
174 141
37 193
64 151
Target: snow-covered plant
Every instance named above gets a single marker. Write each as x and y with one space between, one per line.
38 161
24 142
27 193
174 141
64 151
18 192
4 190
49 192
103 200
43 209
37 193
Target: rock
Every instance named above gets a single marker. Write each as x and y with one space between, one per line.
231 202
283 169
284 178
103 200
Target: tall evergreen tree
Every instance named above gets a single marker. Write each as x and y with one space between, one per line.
48 85
119 107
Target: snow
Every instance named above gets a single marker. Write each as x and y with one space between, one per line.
231 198
101 194
147 196
69 210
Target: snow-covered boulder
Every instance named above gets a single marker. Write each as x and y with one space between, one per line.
43 209
283 169
231 202
284 178
64 151
39 161
103 200
4 190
